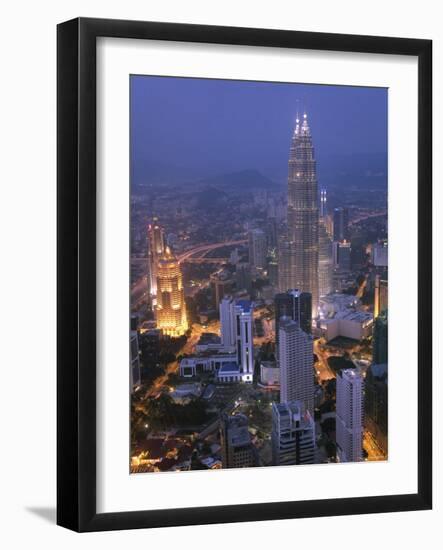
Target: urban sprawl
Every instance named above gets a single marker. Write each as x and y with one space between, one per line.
258 323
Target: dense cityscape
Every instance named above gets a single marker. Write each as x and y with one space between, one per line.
259 320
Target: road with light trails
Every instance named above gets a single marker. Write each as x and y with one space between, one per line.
361 288
323 370
371 447
367 217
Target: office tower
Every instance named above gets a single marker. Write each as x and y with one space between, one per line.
243 279
341 224
171 307
236 320
271 233
376 403
325 262
272 268
221 284
235 439
323 203
303 212
227 323
380 295
286 264
349 415
343 256
156 248
293 434
380 254
296 360
134 370
380 339
294 305
257 248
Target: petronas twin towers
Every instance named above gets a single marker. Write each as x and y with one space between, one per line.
299 249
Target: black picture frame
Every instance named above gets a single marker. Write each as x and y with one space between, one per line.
76 265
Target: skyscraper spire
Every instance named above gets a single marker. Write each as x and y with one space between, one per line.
297 125
305 130
303 212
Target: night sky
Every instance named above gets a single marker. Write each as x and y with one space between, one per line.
210 127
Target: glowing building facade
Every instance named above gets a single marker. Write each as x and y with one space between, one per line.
156 248
349 415
302 215
171 308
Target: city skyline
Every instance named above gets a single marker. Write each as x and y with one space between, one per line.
258 310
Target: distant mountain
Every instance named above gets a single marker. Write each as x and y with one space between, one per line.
363 169
211 198
151 173
244 181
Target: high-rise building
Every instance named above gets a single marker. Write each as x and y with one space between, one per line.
221 285
271 233
294 305
303 212
296 361
380 254
349 415
323 203
380 295
257 248
171 307
293 434
325 261
380 339
243 279
236 320
342 255
156 248
227 323
236 445
341 224
376 403
272 267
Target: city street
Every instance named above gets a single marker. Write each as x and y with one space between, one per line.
324 371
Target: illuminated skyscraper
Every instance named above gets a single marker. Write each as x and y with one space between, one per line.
303 212
156 248
349 415
380 295
236 320
171 308
323 203
296 359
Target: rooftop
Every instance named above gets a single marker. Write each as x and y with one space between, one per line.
208 338
229 368
245 305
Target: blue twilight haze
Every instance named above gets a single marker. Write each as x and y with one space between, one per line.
207 127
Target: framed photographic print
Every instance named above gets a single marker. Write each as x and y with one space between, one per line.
227 198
